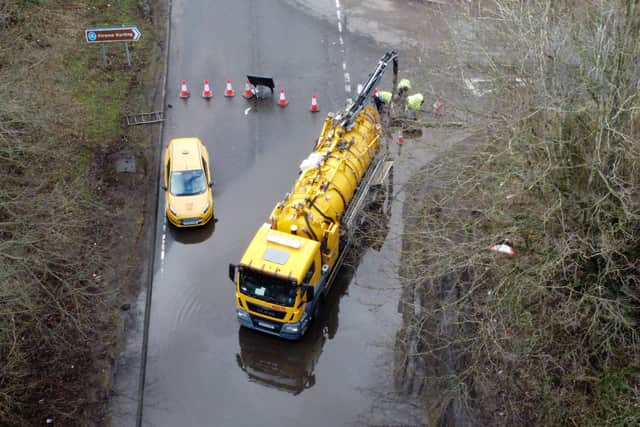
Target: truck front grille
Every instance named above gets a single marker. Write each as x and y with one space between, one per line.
266 325
266 311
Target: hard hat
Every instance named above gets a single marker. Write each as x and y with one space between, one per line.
404 84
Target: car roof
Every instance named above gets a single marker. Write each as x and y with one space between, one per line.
185 153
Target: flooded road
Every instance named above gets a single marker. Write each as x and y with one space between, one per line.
201 368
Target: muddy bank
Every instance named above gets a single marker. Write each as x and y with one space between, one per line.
430 358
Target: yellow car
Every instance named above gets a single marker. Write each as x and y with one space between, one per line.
188 184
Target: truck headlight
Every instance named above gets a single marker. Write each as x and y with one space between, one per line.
206 207
173 211
243 315
291 327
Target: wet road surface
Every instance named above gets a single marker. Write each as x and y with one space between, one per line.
202 370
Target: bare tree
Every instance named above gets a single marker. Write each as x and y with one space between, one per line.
547 336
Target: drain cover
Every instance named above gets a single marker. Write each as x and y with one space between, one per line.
126 163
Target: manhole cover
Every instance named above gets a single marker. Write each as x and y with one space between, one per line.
126 163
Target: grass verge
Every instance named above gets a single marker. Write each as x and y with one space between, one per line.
69 222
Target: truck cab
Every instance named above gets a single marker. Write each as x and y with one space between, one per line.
278 282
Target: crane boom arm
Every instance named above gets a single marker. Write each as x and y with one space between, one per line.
352 112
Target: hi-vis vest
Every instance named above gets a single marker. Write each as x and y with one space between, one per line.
415 101
384 96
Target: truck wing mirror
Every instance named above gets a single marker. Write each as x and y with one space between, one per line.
232 272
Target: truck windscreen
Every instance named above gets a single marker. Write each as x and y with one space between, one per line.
267 287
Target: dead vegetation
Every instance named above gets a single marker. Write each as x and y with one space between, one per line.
59 293
548 336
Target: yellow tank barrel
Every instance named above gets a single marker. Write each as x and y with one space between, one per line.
329 178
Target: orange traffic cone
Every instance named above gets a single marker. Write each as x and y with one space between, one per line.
206 93
229 90
248 92
184 93
314 103
376 92
283 100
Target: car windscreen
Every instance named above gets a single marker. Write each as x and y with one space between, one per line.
187 183
267 287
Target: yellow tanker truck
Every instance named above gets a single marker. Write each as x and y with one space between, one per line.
293 259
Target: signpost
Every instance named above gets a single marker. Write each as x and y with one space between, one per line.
103 35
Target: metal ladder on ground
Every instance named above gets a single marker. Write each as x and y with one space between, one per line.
145 118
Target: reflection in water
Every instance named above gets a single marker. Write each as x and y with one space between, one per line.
289 365
192 235
286 365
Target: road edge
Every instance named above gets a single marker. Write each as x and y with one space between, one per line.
151 264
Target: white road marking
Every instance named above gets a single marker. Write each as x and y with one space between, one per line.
347 77
246 111
163 243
